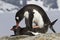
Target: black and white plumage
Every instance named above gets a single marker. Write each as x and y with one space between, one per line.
21 31
34 14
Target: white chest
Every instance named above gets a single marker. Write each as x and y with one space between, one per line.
37 18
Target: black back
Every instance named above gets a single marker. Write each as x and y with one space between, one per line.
29 8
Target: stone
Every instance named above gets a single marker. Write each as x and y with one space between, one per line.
47 36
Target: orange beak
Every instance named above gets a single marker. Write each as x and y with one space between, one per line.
17 25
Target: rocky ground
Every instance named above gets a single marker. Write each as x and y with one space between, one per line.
49 36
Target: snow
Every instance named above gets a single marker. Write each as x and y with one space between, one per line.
39 3
58 2
6 7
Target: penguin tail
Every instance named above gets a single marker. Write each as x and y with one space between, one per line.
51 25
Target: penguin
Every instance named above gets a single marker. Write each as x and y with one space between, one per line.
20 31
34 14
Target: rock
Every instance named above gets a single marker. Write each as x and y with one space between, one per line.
48 36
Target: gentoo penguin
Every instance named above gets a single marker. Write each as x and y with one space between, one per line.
34 14
20 31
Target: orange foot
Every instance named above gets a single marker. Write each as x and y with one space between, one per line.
35 26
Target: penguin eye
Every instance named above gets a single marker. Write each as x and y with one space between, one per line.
17 18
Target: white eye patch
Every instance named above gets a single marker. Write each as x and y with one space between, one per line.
17 18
